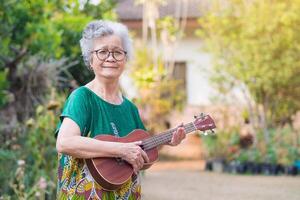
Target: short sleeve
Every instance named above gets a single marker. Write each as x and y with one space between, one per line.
140 124
76 109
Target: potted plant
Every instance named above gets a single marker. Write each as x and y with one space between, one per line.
214 153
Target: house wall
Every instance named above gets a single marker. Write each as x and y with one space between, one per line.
198 65
197 77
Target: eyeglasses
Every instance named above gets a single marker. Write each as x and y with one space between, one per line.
103 54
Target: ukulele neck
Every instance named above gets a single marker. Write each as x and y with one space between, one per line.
165 137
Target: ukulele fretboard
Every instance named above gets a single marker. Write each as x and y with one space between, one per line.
165 137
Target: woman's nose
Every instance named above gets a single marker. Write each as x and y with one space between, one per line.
110 57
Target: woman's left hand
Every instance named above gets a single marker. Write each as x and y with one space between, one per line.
178 136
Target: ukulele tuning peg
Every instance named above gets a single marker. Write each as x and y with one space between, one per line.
202 115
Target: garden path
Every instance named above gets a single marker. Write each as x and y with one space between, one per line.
185 180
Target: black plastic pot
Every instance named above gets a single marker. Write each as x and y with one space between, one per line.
208 166
218 165
231 167
279 169
291 170
242 168
257 168
267 169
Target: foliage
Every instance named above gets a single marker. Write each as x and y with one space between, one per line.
48 28
169 29
222 145
8 161
26 26
37 77
256 44
153 70
283 147
3 88
49 31
40 50
71 24
39 44
28 164
159 93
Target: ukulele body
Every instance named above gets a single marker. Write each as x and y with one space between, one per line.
111 173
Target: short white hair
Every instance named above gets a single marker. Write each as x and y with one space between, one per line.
101 28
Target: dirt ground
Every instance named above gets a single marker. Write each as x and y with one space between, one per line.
186 181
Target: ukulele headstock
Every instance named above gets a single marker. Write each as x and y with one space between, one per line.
203 123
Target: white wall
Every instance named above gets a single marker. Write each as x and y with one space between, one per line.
198 65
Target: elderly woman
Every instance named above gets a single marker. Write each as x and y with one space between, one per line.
99 108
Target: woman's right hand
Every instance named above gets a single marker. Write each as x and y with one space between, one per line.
134 155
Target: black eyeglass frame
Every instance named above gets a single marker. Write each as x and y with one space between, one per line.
109 52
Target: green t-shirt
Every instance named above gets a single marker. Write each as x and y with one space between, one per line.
95 116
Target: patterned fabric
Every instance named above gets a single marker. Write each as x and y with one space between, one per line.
77 183
95 116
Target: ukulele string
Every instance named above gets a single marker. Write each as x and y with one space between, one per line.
165 137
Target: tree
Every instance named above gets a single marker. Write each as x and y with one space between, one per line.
47 32
256 46
72 22
39 51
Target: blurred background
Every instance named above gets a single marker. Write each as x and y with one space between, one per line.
236 60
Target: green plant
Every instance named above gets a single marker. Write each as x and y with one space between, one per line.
282 147
255 155
243 156
223 145
30 163
258 53
8 160
18 184
3 88
159 93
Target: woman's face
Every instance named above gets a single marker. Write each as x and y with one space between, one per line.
108 57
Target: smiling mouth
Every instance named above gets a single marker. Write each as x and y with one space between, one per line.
109 67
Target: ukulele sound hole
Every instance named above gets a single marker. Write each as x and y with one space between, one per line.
120 161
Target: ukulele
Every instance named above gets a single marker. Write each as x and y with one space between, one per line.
112 173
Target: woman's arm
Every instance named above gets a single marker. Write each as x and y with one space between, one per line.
69 141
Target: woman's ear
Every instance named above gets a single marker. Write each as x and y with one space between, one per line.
91 61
